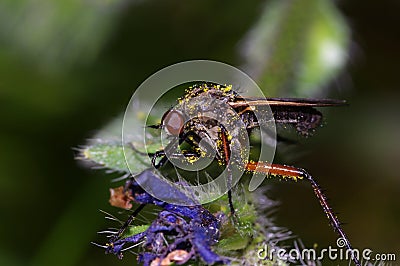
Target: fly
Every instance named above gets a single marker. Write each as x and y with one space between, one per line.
194 124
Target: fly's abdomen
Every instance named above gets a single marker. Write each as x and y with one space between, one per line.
304 119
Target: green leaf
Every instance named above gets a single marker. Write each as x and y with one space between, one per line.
112 156
107 150
136 229
235 242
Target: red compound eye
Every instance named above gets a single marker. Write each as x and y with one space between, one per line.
173 122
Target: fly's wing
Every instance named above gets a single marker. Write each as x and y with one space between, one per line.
292 102
298 112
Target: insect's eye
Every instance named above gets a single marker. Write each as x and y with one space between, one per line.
173 122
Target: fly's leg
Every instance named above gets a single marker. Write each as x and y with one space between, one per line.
194 140
190 137
225 143
162 161
293 173
152 155
126 224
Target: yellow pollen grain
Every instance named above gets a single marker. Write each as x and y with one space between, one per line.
192 159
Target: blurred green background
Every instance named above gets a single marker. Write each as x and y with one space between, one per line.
68 67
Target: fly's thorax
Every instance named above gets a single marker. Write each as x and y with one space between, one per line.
213 90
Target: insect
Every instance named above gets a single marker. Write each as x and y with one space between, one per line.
170 238
193 121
